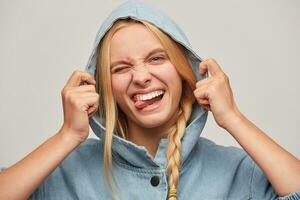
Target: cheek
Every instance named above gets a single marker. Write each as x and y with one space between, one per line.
175 86
169 75
120 85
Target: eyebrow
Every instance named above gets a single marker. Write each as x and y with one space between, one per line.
154 51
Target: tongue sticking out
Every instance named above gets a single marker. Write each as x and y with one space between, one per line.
143 103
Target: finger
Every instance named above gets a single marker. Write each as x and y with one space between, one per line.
92 110
85 88
87 96
203 82
202 97
201 92
90 101
83 99
204 101
211 65
79 77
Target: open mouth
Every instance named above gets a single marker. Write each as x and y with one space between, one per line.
142 101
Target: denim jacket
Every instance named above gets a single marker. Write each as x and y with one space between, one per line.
208 171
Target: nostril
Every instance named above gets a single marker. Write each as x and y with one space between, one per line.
147 82
143 81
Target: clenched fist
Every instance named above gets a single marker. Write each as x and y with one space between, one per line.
80 101
214 93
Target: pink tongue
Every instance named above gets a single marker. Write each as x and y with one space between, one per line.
143 103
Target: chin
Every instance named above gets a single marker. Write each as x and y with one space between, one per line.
153 121
151 124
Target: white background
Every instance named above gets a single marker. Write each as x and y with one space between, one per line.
41 42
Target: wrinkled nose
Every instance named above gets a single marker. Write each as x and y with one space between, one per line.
141 76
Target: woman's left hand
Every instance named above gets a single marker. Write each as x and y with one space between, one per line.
214 93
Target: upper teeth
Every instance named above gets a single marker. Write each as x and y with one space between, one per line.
151 95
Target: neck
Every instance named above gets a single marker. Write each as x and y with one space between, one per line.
149 137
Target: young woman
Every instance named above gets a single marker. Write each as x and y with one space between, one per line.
146 94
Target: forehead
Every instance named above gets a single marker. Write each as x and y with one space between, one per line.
133 41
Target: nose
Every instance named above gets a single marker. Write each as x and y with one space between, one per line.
141 76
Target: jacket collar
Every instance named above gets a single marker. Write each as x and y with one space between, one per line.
138 156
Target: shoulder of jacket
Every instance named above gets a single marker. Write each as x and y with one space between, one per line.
209 147
212 158
90 142
85 151
89 145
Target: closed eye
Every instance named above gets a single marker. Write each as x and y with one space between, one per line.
121 69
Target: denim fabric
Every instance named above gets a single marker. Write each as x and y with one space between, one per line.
209 171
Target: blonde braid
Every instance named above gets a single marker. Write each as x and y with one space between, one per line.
173 155
174 146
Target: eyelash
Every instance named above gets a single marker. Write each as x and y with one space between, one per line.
119 69
155 57
152 59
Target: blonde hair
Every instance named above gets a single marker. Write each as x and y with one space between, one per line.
115 120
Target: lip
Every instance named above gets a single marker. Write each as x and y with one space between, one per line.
144 92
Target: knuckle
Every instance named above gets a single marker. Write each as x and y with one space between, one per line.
201 65
92 88
64 92
69 96
195 93
96 96
77 72
210 60
224 78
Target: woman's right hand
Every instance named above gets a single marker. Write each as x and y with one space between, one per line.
80 101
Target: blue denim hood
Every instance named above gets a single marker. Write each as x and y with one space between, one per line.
132 153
